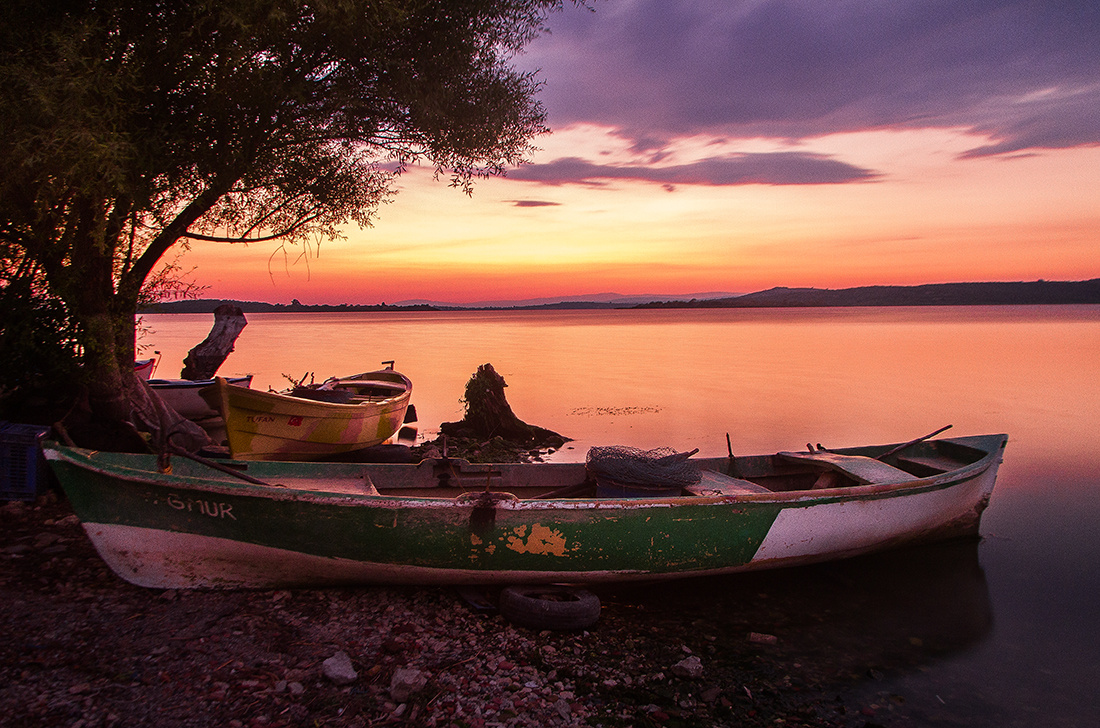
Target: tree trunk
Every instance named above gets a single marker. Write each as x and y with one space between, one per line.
488 414
203 361
120 412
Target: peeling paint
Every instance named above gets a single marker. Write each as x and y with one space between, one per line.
543 541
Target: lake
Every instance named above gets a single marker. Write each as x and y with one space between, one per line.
1003 633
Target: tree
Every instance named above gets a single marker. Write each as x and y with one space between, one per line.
128 127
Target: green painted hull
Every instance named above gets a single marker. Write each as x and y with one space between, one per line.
318 524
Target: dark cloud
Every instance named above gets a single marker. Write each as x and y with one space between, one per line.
1025 72
779 168
534 203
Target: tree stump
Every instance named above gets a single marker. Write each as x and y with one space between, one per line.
488 414
203 361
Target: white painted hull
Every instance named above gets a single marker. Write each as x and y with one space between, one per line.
832 530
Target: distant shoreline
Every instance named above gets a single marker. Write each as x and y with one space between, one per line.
936 294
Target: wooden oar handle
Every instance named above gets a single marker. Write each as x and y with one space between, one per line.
901 447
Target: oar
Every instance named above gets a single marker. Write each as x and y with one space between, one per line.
901 447
218 466
730 469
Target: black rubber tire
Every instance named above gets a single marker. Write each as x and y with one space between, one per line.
549 607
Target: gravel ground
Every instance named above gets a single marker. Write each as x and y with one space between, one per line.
82 648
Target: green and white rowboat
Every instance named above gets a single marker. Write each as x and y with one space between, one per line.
446 521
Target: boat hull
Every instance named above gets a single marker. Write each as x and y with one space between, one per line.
273 426
192 528
186 396
144 368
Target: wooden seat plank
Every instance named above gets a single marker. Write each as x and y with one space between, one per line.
864 469
937 464
713 483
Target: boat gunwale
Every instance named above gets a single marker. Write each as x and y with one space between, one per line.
222 484
352 408
184 384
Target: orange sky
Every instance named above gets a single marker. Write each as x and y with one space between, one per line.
932 218
947 170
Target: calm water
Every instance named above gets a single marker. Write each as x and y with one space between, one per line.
1004 633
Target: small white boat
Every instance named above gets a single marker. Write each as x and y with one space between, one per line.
144 368
185 395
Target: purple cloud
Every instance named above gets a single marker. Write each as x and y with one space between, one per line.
533 203
779 168
1025 73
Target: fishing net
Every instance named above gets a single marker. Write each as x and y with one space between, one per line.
662 466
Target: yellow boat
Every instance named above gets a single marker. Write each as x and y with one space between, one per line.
310 423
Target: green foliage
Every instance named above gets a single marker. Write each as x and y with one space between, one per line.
127 126
39 354
134 124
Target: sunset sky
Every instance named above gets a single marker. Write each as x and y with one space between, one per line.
717 145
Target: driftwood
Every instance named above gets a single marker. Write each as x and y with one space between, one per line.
203 361
488 415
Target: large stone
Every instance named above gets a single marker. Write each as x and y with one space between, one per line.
689 667
405 683
338 669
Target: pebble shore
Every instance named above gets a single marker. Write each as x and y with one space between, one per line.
82 648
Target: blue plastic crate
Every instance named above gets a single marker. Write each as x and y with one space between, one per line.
22 467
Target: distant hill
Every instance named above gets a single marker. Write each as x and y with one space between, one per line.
587 300
592 301
207 305
936 294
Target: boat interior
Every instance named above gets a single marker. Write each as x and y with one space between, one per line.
347 391
368 389
448 478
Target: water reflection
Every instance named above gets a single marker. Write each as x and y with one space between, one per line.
776 379
843 621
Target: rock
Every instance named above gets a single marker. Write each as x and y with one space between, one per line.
405 682
338 669
689 667
762 639
297 713
43 540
